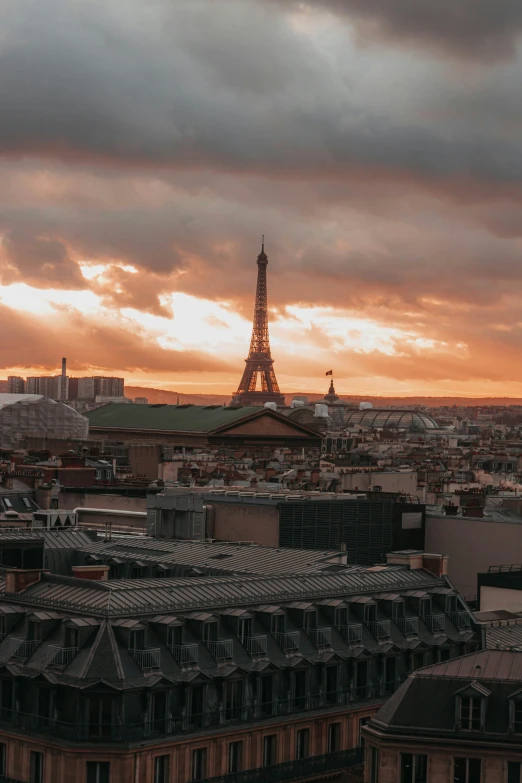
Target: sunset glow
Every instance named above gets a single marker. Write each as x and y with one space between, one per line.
378 151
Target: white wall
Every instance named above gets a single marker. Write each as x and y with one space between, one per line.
493 598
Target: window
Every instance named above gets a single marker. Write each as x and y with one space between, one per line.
6 698
300 688
444 654
514 768
100 716
136 572
197 705
517 717
159 710
3 758
398 610
235 757
341 617
210 632
175 636
302 744
34 632
245 628
267 694
425 607
233 699
45 706
417 661
161 769
470 713
310 620
137 640
414 768
269 750
99 772
374 765
36 767
71 638
331 684
370 613
362 723
466 770
334 737
199 764
277 623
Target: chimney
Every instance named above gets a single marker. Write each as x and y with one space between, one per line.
437 564
97 573
63 381
18 579
408 557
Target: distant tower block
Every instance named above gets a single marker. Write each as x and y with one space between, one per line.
259 361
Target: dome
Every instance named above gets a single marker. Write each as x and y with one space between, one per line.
390 418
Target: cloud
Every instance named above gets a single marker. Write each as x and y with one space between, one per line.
89 343
485 30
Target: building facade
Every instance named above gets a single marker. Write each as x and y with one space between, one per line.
454 722
158 680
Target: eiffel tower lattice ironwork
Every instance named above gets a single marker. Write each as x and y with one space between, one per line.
259 360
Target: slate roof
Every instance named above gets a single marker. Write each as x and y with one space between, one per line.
124 597
425 704
216 558
175 418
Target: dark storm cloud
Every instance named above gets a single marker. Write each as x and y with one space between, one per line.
243 92
482 29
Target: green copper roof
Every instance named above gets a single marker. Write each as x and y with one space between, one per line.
178 418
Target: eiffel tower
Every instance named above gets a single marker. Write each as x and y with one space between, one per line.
259 360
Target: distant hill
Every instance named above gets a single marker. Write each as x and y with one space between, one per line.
171 398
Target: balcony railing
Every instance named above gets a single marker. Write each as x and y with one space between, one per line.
190 723
24 647
221 649
459 619
185 653
409 626
147 659
435 622
380 629
62 655
288 640
351 633
313 766
254 645
321 637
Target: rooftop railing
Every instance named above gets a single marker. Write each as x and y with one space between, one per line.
185 653
220 649
287 640
147 659
24 647
254 645
409 626
460 619
435 622
63 655
352 633
380 629
321 637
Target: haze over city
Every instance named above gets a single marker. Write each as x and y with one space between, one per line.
146 147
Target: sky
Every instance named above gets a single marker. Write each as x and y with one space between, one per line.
146 147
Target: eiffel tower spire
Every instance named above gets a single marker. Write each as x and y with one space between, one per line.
259 360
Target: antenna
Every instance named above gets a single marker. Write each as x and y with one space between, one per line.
263 243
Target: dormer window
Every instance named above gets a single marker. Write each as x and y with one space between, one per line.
517 717
71 638
470 713
278 623
398 610
341 617
425 607
137 640
470 707
34 632
310 620
210 632
370 613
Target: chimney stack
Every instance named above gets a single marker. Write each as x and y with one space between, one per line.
18 579
97 573
63 381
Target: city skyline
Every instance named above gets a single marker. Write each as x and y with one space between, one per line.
376 148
